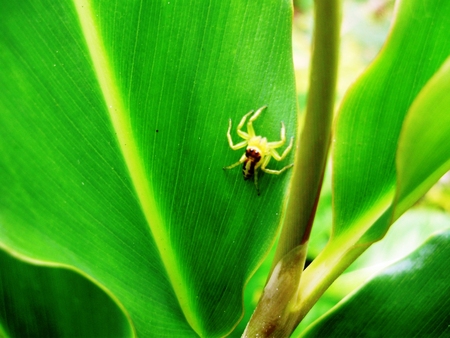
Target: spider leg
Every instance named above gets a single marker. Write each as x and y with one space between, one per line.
250 129
286 151
241 133
241 160
277 172
278 144
230 140
256 182
272 171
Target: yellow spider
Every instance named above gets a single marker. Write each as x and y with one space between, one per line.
259 151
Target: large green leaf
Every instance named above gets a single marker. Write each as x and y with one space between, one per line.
54 302
424 147
372 115
411 298
113 119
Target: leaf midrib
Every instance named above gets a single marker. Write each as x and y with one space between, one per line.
127 143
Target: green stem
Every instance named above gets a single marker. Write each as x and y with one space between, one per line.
312 152
278 311
322 272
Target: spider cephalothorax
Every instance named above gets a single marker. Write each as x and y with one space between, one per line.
259 151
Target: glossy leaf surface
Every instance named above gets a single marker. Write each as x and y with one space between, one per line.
373 112
55 302
408 299
424 147
113 137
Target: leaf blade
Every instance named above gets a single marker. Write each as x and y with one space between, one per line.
43 301
423 155
68 190
409 298
371 124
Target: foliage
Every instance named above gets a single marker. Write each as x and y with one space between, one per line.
115 210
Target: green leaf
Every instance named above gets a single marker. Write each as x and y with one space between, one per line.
3 333
55 302
408 299
113 138
372 115
423 154
412 228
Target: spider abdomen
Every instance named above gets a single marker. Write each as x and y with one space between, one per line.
259 151
253 156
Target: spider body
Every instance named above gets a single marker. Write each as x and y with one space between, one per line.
253 157
259 151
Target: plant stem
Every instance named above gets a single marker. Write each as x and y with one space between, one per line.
278 312
312 150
